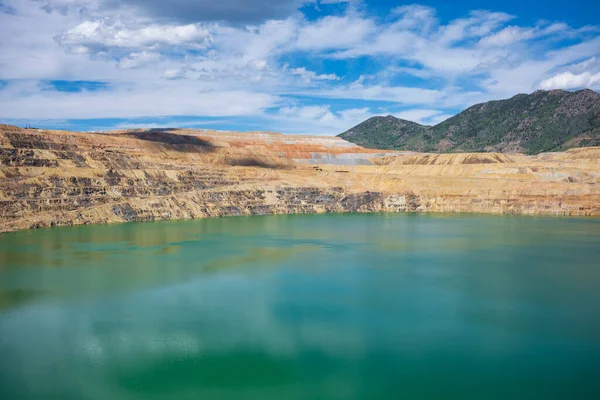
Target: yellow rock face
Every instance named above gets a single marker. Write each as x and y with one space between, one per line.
52 178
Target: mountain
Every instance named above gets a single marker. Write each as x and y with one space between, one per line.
530 123
383 132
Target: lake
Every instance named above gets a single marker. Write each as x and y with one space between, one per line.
347 306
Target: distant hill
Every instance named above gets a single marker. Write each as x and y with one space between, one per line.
383 132
530 123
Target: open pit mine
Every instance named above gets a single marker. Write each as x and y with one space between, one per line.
57 178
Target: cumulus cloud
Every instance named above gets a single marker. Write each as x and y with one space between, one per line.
98 36
577 75
569 80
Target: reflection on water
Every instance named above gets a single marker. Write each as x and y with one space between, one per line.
302 307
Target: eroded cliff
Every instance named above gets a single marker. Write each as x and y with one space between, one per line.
54 178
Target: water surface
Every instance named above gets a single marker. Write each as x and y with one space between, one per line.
356 306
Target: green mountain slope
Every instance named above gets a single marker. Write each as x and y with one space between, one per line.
530 123
383 132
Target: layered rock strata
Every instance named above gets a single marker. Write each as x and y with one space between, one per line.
57 178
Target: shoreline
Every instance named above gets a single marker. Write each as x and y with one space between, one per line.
20 226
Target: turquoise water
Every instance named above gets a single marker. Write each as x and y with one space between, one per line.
365 306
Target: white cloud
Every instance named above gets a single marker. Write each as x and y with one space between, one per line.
397 94
22 100
506 36
308 112
309 76
415 16
525 75
174 73
417 37
319 120
138 60
513 34
168 123
569 80
334 32
97 36
585 65
478 24
255 42
579 75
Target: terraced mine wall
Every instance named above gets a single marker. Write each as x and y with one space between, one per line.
57 178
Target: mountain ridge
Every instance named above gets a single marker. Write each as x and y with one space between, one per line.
545 120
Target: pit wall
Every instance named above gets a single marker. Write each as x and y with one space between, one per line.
55 178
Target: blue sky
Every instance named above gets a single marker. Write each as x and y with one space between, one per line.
294 66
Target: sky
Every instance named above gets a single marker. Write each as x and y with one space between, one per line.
292 66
